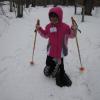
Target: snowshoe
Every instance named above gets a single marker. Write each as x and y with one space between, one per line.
63 79
56 69
48 71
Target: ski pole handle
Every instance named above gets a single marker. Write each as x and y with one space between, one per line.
74 23
38 23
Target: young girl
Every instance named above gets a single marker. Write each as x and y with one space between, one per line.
57 33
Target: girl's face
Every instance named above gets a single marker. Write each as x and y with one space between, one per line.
54 20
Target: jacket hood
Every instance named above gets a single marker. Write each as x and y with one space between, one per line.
58 11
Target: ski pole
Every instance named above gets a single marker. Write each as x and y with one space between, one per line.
32 62
81 68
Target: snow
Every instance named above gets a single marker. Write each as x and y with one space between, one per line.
21 81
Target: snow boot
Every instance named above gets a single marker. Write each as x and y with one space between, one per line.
63 79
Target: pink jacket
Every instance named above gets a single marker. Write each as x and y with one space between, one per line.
57 34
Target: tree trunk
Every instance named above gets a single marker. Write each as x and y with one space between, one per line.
27 3
19 9
11 6
45 3
63 2
55 3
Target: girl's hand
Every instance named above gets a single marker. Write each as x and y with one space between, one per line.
37 27
74 28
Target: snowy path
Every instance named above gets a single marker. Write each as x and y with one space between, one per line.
20 81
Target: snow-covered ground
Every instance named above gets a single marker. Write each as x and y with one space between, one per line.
21 81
